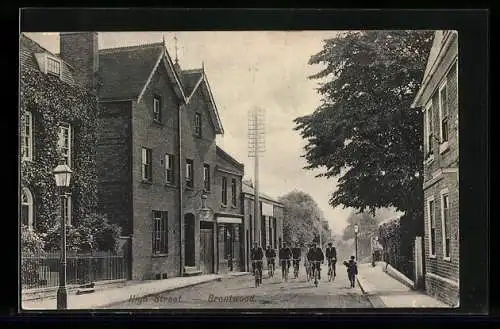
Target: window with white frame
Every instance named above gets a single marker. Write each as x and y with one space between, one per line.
443 112
432 226
189 173
206 177
157 108
27 208
27 137
53 66
65 142
160 232
429 128
197 124
67 209
169 169
147 164
224 190
445 223
233 192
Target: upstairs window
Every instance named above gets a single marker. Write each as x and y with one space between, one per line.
157 108
65 142
197 124
206 177
189 173
27 137
443 112
169 169
429 126
53 66
233 192
147 164
224 191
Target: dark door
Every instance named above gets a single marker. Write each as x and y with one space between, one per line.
206 248
248 250
189 239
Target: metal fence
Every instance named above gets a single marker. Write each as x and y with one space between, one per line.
42 271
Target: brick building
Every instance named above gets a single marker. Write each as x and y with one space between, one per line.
438 99
266 228
156 155
57 118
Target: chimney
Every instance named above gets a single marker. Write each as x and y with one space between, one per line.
81 51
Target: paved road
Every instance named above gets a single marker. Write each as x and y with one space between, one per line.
239 292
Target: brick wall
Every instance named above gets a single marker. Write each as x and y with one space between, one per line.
161 138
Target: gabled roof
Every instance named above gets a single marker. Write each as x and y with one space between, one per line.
190 80
29 49
125 72
226 156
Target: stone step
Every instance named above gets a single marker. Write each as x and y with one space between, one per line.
191 271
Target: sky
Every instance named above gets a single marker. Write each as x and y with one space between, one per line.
279 84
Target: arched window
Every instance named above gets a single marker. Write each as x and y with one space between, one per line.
27 208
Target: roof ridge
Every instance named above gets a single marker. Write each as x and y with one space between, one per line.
130 48
23 35
200 70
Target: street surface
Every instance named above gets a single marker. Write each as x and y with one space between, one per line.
240 292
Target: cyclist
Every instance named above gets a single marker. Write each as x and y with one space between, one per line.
315 254
307 264
270 256
256 255
331 255
296 254
285 255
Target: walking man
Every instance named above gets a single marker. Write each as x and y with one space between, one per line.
352 270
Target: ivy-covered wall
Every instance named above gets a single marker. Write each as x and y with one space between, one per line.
52 102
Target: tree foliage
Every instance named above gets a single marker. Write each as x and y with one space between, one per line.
367 225
302 217
364 132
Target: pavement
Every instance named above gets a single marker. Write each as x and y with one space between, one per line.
384 291
240 292
134 289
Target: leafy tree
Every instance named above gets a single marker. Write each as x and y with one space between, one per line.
302 217
367 224
364 132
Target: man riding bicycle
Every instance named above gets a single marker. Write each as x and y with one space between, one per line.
331 255
270 256
296 254
315 255
256 255
285 255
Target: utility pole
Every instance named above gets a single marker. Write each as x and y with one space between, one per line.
256 145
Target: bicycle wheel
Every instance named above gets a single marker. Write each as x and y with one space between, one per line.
316 277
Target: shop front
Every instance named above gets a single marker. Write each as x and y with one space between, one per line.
230 243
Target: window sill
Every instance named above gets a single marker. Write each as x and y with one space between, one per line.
447 259
171 185
158 123
223 206
27 159
432 256
234 207
148 182
429 160
443 147
159 255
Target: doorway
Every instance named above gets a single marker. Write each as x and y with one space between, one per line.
189 239
206 247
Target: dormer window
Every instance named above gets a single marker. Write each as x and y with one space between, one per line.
53 66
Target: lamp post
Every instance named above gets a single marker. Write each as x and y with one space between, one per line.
356 229
62 175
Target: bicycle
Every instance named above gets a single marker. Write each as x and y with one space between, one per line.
316 271
284 269
257 272
331 269
270 267
307 265
296 264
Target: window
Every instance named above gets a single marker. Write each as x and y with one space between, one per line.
157 108
67 209
147 165
27 137
189 173
443 112
65 142
432 227
27 208
228 241
160 236
206 177
224 191
53 66
197 124
169 169
429 130
445 222
233 192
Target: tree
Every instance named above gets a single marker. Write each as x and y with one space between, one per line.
367 223
302 217
364 132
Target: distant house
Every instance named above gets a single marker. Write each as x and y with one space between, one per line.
157 157
267 227
57 122
438 99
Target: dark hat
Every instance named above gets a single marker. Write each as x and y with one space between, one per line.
329 243
352 257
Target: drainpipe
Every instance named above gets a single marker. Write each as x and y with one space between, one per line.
181 191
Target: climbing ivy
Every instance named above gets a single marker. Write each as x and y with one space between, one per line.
51 103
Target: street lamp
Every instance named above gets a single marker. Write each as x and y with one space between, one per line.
62 175
356 229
